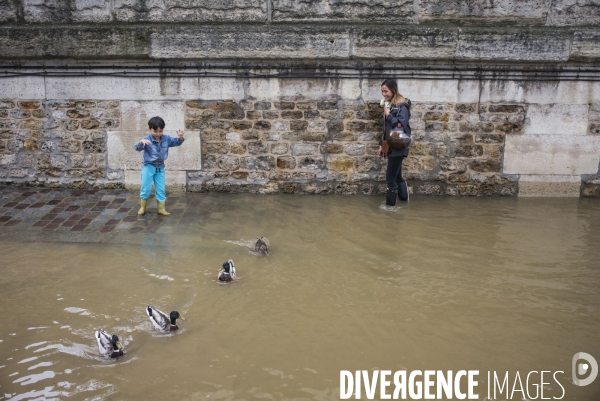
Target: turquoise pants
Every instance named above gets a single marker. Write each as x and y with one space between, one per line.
149 175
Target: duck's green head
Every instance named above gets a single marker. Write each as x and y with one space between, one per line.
116 343
174 316
226 266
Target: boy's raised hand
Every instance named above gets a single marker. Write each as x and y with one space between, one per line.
145 142
179 134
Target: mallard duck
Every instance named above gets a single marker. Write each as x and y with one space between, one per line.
261 246
109 346
161 321
227 272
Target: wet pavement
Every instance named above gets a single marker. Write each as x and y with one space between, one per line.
77 214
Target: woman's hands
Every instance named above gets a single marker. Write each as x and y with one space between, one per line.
380 152
386 111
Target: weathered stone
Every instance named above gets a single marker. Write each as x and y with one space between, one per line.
262 125
180 11
211 134
88 42
95 146
304 149
284 105
32 124
340 163
27 160
292 115
298 125
19 114
90 124
47 146
314 136
248 41
311 163
531 11
262 106
70 125
266 163
333 148
327 10
467 150
489 138
232 136
108 104
215 148
286 163
270 115
242 125
574 12
7 160
249 135
279 148
505 108
553 119
594 129
78 113
258 147
489 165
254 115
228 163
354 149
237 148
70 146
518 46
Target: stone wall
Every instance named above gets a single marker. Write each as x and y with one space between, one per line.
57 143
261 135
223 70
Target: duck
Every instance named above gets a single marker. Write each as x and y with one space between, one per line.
108 345
261 246
161 320
227 272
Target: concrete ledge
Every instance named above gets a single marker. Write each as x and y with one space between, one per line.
551 154
549 186
122 156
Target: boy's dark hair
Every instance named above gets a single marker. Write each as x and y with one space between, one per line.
156 122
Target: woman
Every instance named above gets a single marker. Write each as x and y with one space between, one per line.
396 111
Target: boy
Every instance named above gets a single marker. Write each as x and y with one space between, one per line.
156 150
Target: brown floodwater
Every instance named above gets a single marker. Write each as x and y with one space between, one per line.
499 285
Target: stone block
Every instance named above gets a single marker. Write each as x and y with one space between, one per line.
25 87
574 12
412 43
528 11
90 42
513 46
565 92
586 45
331 10
304 149
121 154
186 11
135 114
420 90
250 41
551 154
555 119
549 186
311 89
56 11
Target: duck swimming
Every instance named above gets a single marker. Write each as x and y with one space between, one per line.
161 321
227 272
108 346
261 246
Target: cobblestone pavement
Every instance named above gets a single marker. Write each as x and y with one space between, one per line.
84 211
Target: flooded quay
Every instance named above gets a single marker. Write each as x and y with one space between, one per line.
488 284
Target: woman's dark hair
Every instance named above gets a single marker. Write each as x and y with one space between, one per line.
156 122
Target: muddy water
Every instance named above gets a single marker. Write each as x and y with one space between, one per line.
449 284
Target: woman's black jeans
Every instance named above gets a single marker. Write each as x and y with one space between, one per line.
395 182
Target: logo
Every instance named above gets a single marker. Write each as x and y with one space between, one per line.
581 369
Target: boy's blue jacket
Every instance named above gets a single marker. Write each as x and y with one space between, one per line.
156 153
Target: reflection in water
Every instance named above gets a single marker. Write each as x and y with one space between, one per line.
448 284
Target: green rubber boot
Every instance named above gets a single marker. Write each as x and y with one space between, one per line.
142 210
161 209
